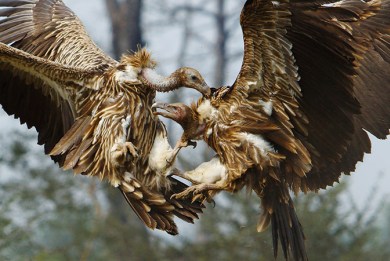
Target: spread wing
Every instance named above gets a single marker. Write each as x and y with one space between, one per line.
31 85
268 81
268 61
343 54
325 69
269 72
50 30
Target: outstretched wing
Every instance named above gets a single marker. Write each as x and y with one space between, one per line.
268 82
268 65
269 72
43 84
50 30
325 70
343 54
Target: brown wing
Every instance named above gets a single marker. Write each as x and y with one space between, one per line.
48 29
43 84
343 54
269 76
268 71
268 64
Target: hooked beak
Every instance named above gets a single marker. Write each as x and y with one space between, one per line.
205 90
167 112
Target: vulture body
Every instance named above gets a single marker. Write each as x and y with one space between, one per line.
315 79
93 114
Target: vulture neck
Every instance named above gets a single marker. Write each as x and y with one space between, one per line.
160 83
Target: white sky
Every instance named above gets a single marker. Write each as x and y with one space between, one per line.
164 47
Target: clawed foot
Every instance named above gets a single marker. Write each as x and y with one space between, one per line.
197 192
120 151
132 149
180 144
191 143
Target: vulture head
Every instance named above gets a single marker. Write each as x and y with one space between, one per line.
182 77
142 64
184 115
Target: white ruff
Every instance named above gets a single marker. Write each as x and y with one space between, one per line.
152 76
206 111
128 75
208 172
160 153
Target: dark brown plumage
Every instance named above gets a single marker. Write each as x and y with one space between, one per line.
93 114
314 79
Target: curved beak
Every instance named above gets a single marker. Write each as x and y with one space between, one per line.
167 109
205 90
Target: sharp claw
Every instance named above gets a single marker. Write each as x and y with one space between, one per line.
192 143
132 149
197 197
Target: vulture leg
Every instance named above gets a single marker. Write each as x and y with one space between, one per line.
182 143
198 190
119 153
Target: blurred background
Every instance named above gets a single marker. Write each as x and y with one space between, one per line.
48 214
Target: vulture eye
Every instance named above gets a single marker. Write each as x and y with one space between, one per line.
194 78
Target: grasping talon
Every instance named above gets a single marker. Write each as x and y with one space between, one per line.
191 143
132 149
199 192
182 143
119 152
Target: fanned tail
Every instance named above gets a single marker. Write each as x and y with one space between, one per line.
152 208
279 210
157 209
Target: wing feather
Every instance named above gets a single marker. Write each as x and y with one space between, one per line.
268 64
326 69
50 30
40 92
342 51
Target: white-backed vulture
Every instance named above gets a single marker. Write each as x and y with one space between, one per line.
93 114
315 79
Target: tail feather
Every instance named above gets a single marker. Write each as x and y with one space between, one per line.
279 209
150 207
156 209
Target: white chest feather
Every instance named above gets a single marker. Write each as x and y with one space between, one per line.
206 111
209 172
159 155
130 74
258 141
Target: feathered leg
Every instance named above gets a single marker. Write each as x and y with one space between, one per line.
181 143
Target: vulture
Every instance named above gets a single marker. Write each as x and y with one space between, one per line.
93 114
314 81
